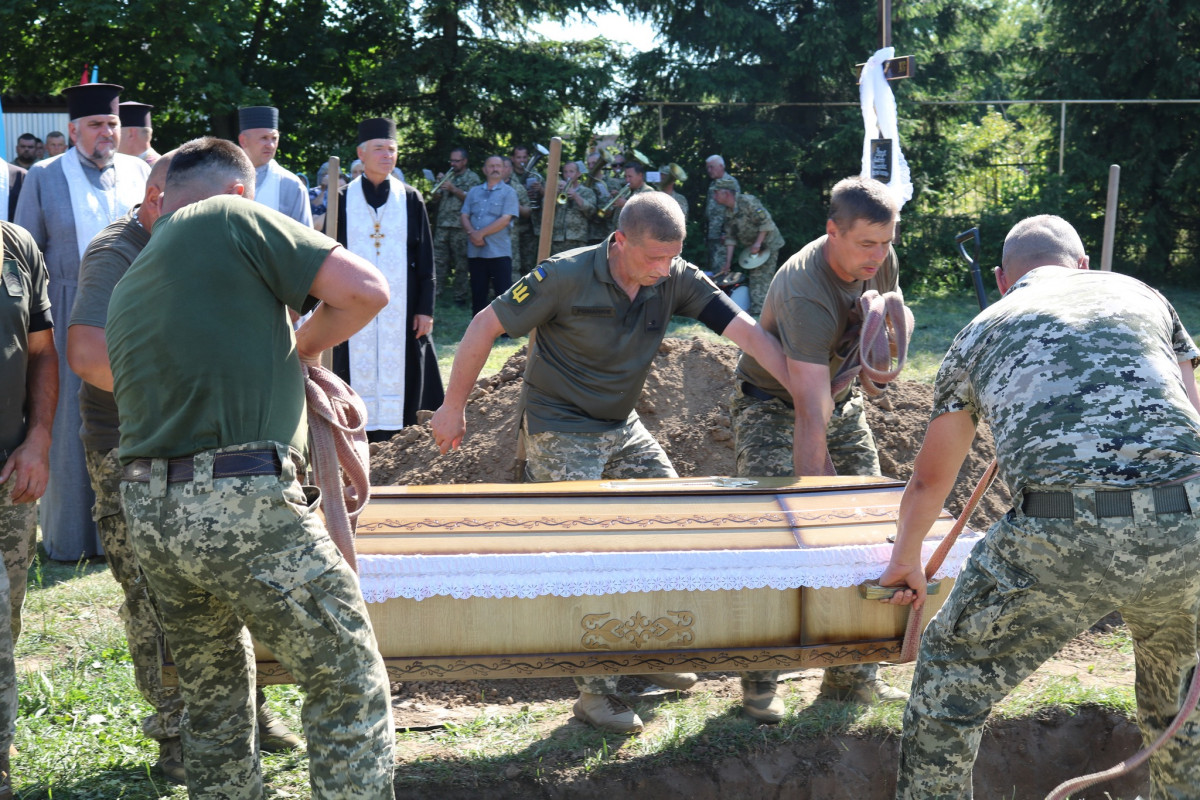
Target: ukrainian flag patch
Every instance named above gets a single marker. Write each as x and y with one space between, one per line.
539 272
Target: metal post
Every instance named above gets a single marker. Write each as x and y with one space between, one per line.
1110 217
660 128
1062 137
885 22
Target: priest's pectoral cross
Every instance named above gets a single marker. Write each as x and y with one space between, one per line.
378 236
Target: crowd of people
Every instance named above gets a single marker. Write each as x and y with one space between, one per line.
164 423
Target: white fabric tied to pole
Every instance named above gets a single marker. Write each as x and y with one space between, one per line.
880 120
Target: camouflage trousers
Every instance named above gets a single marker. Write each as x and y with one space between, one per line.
218 553
525 248
716 255
759 280
762 444
18 533
450 259
137 609
563 245
626 452
1028 588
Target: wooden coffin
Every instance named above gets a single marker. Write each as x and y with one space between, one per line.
636 576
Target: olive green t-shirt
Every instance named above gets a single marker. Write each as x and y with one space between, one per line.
202 351
808 309
104 262
594 345
24 299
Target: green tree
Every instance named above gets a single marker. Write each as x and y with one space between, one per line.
1120 50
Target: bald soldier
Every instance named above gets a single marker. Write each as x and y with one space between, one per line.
1086 380
600 314
64 203
274 187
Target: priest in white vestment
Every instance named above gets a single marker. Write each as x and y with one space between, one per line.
391 362
67 200
274 186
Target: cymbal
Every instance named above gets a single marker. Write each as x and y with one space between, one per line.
748 260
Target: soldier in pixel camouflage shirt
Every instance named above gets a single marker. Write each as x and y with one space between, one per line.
750 225
1086 380
572 218
449 239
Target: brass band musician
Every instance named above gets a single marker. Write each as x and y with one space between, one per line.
573 210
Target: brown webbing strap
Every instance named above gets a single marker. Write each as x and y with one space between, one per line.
341 458
887 324
912 633
1065 789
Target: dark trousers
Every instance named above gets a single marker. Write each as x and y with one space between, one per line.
484 271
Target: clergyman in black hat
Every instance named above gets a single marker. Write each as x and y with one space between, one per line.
274 186
390 363
64 203
136 131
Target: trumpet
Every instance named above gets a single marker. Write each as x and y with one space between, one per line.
449 174
604 212
562 196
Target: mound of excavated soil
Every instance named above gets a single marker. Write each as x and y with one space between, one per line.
685 407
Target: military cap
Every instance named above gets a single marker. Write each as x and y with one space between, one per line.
726 182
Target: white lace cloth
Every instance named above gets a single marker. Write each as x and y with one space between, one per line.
417 577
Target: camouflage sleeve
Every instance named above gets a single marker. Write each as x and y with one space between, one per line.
1181 342
952 390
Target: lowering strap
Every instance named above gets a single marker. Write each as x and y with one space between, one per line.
337 420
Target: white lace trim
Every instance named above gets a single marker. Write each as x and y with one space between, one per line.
417 577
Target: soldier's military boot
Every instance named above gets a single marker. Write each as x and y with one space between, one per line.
274 736
869 692
607 712
761 700
679 681
170 760
5 778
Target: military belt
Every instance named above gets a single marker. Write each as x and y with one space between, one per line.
225 465
1109 502
750 390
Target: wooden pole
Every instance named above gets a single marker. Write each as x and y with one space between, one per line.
885 23
549 207
1110 217
333 180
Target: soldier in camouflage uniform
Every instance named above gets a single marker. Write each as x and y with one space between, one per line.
571 219
449 238
1086 381
749 224
104 263
522 208
528 225
212 420
667 186
29 375
600 315
714 213
785 428
594 180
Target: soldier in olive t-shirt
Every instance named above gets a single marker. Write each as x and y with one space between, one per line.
256 397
